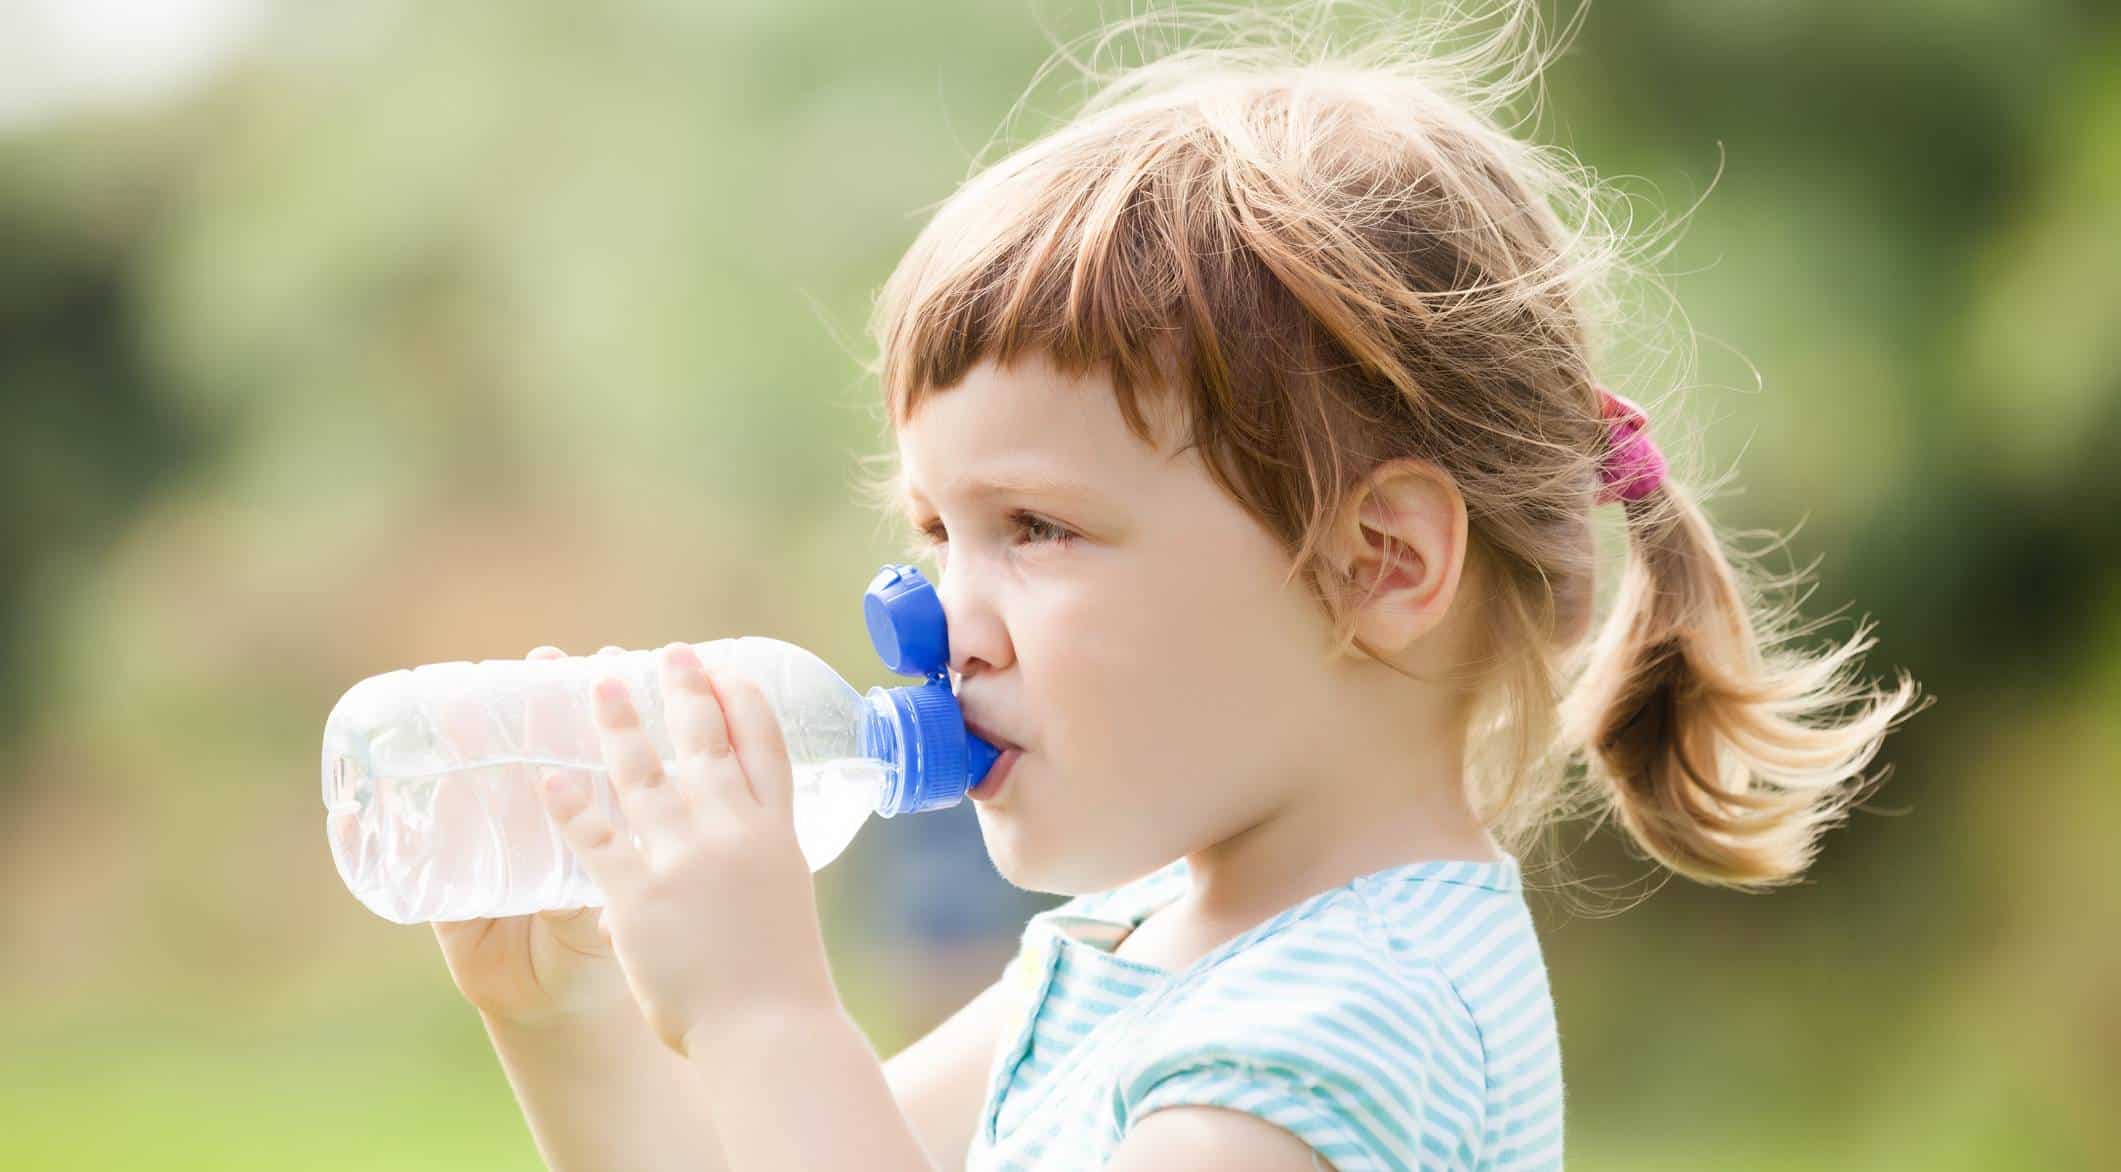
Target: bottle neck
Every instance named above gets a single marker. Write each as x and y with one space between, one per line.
919 736
881 743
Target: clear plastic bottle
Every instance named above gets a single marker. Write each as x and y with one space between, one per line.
430 773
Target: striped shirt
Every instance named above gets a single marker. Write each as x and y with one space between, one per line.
1401 1020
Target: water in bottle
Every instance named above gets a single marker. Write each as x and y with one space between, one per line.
430 773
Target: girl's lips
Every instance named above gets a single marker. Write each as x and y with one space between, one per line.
991 784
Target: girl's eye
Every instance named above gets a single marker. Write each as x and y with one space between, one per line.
1051 534
1037 530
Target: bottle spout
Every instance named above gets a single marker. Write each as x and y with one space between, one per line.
979 758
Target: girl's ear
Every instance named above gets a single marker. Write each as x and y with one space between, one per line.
1401 540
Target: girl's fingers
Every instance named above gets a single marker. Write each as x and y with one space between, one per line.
699 730
467 803
610 860
696 730
760 745
545 705
535 850
655 808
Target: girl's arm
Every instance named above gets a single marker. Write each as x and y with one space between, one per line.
940 1081
798 1086
718 873
802 1089
604 1092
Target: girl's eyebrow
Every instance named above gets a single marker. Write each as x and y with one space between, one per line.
1015 484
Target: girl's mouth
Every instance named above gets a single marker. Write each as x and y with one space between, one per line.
991 784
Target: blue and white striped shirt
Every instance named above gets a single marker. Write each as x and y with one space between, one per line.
1401 1020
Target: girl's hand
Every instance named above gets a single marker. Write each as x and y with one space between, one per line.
529 970
714 919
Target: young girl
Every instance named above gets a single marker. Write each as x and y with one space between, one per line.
1253 421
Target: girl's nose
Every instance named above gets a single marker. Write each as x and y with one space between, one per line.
974 624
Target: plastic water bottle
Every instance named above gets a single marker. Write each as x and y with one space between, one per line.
430 773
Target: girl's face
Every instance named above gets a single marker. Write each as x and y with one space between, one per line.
1116 616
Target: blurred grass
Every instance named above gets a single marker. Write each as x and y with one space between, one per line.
403 1090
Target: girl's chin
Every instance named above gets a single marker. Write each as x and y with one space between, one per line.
1014 847
1037 862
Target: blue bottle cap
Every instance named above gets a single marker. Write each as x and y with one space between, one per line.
938 759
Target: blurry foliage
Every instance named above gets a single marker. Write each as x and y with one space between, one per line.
439 331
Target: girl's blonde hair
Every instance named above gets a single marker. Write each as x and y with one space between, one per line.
1333 258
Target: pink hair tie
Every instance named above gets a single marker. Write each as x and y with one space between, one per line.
1633 466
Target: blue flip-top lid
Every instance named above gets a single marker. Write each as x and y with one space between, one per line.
938 759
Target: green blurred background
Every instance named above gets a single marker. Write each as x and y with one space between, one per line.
340 338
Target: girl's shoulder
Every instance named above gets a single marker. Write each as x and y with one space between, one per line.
1424 931
1430 926
1394 1015
1419 914
1384 1021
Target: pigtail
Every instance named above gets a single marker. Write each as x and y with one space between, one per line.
1716 744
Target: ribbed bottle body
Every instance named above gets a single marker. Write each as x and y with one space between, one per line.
429 773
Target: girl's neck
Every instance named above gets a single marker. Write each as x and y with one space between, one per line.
1282 860
1390 800
1297 853
1384 784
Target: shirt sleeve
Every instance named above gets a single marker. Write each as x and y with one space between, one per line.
1378 1070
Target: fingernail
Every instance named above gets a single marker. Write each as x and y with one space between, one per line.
611 692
